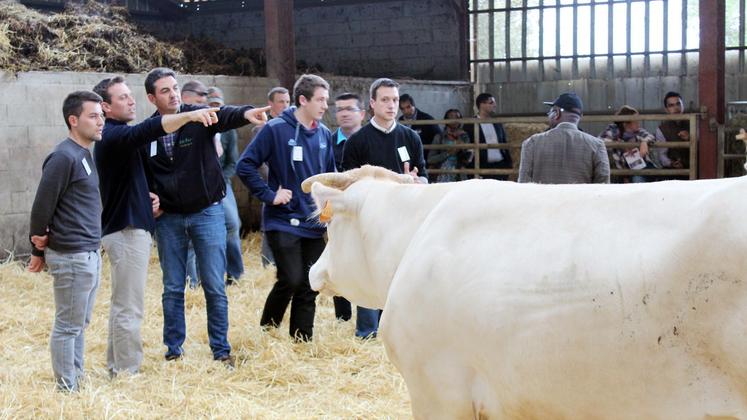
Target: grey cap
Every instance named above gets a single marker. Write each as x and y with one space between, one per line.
215 96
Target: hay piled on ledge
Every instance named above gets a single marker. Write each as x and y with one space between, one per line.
98 37
336 376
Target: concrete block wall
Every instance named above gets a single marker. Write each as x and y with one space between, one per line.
415 39
31 124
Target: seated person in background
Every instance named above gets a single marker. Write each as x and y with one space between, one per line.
673 131
631 131
451 158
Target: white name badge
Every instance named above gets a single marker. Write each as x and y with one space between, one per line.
298 153
86 167
403 155
153 148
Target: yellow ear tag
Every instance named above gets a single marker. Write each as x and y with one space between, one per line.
326 215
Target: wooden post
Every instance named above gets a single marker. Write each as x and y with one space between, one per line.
280 50
711 83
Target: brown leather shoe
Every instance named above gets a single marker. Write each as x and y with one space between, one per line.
228 360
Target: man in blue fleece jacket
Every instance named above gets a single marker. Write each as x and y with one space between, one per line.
295 146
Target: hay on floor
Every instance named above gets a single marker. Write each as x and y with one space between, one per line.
335 376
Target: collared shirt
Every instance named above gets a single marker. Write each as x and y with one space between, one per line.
382 129
340 137
168 143
491 137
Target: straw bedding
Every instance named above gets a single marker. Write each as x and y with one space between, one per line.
335 376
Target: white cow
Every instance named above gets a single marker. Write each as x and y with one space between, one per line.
525 301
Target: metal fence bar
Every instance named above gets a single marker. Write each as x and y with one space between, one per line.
610 40
741 35
665 37
476 146
683 61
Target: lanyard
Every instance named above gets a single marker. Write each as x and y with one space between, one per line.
294 142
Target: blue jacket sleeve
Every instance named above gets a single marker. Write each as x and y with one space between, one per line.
255 154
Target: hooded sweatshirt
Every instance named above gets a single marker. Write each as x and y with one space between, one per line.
292 153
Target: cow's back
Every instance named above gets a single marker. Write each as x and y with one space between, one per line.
578 301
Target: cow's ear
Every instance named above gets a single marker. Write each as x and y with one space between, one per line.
328 201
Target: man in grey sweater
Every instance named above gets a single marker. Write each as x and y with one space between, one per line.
66 214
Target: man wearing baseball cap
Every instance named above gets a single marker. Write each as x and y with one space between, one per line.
564 154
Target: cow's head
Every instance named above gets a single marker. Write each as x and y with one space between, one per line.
352 264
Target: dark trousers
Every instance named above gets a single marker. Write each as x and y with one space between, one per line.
343 310
294 256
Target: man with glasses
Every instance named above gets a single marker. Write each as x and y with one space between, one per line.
564 154
673 131
349 114
490 133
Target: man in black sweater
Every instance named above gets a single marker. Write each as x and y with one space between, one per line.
127 217
383 143
188 179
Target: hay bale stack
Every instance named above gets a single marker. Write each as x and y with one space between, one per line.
516 133
335 376
98 37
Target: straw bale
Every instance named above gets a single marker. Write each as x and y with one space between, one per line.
99 37
335 376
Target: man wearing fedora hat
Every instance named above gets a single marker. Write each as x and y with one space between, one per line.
564 154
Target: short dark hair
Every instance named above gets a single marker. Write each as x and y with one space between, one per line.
625 110
306 85
274 91
406 98
482 98
383 82
102 88
155 75
73 104
449 111
671 94
347 96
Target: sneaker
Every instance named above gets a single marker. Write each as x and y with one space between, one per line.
231 280
228 360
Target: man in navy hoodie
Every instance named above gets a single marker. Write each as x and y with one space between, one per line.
295 146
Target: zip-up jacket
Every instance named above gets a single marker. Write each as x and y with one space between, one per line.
193 178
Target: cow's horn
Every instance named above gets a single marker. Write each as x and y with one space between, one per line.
336 180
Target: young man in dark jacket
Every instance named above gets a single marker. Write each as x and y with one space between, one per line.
188 179
127 218
490 133
295 146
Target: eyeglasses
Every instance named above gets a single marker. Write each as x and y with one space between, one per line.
348 108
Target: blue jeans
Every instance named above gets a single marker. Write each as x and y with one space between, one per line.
76 279
192 267
234 264
207 230
366 322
